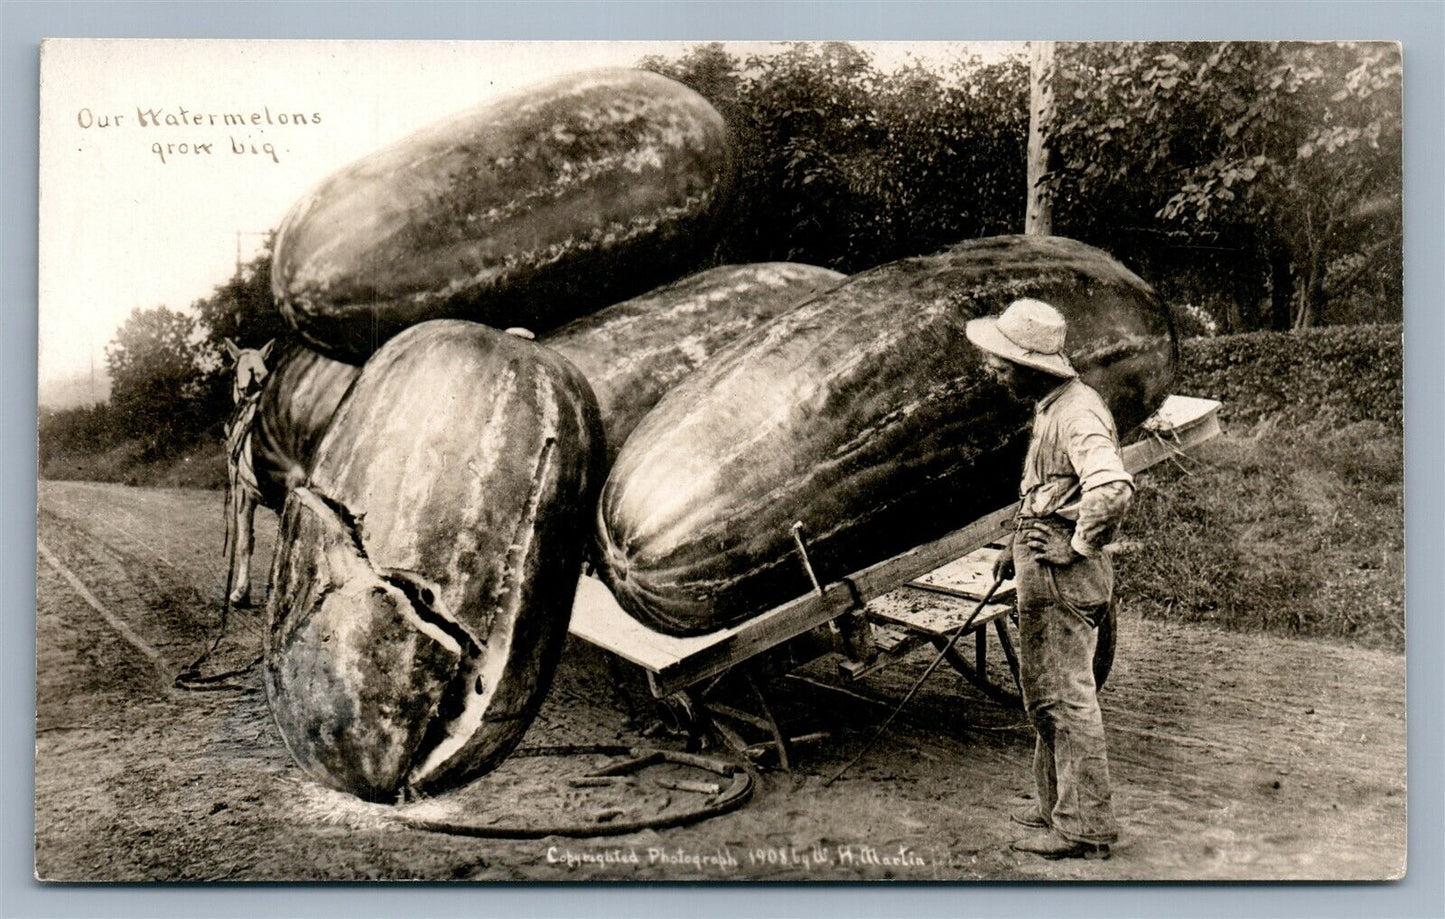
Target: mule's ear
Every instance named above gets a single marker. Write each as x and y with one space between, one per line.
232 349
266 350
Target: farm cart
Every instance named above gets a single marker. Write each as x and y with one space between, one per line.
874 616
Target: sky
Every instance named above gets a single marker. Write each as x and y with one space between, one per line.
132 214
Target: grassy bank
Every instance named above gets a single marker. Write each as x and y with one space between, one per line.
1296 530
201 465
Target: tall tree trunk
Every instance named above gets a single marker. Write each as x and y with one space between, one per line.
1313 301
1038 212
1312 298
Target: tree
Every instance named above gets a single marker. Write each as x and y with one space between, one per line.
844 166
85 430
1278 162
1257 184
156 384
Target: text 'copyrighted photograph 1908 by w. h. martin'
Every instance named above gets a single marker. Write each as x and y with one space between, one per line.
720 461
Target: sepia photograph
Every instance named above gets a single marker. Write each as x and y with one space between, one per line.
813 461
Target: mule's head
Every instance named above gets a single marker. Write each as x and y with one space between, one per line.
250 368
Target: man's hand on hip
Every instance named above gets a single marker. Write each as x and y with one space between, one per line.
1049 544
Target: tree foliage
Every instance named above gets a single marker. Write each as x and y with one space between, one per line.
1277 165
156 385
848 167
1257 182
1258 185
170 380
243 309
84 429
1333 375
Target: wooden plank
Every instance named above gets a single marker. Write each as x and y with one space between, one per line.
1180 412
677 663
597 618
1142 454
906 643
938 619
969 577
798 616
888 639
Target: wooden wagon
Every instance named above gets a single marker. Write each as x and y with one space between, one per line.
872 617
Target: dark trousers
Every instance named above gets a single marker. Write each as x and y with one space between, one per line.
1060 608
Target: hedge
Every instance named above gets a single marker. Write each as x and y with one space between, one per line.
1332 375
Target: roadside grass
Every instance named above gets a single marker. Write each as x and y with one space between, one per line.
1296 530
201 466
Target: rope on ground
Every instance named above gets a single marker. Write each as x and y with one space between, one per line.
734 796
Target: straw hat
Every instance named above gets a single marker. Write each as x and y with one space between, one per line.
1029 332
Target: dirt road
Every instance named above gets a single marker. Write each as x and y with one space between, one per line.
1234 756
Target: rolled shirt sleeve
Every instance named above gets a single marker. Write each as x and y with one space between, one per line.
1101 510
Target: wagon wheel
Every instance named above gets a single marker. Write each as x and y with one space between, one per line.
976 671
682 716
1104 651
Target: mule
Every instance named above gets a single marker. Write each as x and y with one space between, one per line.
242 495
243 492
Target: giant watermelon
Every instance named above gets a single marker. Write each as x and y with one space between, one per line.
866 415
634 352
425 574
528 210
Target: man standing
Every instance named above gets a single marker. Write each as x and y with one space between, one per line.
1073 494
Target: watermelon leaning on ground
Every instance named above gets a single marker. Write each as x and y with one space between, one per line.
424 576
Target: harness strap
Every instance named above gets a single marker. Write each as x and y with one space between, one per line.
239 466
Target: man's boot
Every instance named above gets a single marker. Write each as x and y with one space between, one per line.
1029 816
1052 845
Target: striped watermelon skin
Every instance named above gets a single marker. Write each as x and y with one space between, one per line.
528 210
300 397
635 351
426 574
865 414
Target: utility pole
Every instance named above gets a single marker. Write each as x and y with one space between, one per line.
241 305
1038 211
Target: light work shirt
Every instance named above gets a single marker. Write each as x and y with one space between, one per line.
1074 468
